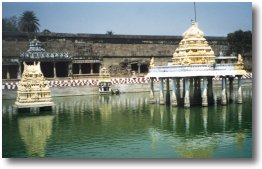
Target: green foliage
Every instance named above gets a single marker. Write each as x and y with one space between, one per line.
46 31
10 24
28 22
240 43
109 32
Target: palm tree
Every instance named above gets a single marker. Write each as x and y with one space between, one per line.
28 22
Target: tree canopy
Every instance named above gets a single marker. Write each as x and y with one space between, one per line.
10 24
240 42
109 32
28 22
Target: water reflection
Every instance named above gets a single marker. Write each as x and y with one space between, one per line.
35 132
127 126
199 132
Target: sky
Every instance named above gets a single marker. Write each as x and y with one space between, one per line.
148 18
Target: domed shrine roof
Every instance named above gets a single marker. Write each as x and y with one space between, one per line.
193 48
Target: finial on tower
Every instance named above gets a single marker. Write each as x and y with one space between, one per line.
195 10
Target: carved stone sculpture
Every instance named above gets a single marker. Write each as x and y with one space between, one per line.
33 89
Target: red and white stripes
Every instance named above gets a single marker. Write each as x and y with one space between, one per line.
79 82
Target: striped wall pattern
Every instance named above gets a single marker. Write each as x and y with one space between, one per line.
79 82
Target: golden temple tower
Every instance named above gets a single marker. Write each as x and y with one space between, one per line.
33 89
193 48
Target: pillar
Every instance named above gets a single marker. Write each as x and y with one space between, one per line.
54 70
167 92
91 68
186 90
174 100
223 93
239 91
139 68
152 94
191 88
210 95
7 72
184 83
204 92
161 99
19 71
178 88
231 89
80 68
69 70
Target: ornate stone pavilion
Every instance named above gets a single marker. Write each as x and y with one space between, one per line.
58 64
196 65
49 60
33 90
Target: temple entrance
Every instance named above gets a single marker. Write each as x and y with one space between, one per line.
96 67
134 67
144 68
47 69
75 68
85 68
139 67
61 69
9 71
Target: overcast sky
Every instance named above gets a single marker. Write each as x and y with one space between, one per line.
215 19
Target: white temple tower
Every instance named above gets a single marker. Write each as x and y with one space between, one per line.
33 90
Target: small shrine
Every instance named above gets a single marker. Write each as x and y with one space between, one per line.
104 82
33 90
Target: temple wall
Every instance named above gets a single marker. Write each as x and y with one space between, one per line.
116 52
102 45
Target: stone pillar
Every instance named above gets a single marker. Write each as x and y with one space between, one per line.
231 89
152 94
80 68
139 68
210 95
223 94
186 90
19 71
7 72
191 88
204 92
69 71
174 100
167 92
178 88
161 99
184 87
54 70
91 68
239 91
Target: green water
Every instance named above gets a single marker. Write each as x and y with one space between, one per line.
126 126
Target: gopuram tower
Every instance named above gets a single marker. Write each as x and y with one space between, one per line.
193 48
